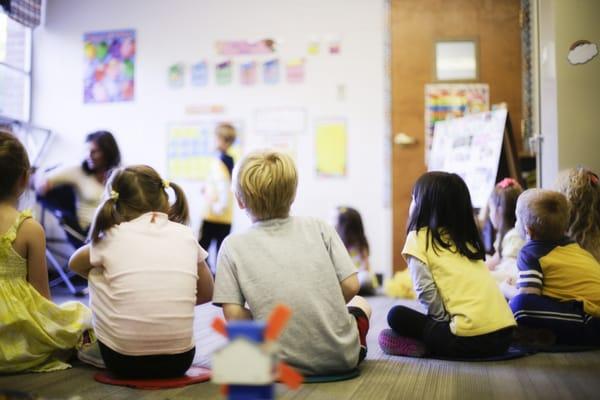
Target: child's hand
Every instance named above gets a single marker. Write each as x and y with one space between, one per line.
511 281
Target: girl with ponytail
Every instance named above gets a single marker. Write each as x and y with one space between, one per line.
146 273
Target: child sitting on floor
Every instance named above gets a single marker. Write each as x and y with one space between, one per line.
581 186
349 226
146 273
300 262
467 316
559 282
503 263
35 334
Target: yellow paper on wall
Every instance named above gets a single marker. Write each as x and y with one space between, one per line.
331 148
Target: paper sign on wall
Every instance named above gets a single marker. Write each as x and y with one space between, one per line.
443 101
224 72
294 71
248 73
199 74
176 75
271 71
280 120
331 143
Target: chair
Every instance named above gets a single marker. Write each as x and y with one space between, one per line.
60 202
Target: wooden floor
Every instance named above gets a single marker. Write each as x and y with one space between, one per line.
542 376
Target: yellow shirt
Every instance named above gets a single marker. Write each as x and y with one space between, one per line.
470 294
218 195
562 270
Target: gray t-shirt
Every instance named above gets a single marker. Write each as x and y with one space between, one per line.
299 262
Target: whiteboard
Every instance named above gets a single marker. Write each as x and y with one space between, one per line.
470 147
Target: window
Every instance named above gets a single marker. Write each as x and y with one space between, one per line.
15 69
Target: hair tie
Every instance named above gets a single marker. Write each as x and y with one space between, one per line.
114 195
166 184
507 182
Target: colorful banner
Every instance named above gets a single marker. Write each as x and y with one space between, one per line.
331 143
241 47
109 59
445 101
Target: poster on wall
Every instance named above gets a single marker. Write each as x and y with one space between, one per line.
294 71
248 73
224 73
280 120
243 47
331 146
191 149
109 59
445 101
470 147
199 74
176 75
271 72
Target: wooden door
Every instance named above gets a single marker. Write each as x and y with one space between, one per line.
415 25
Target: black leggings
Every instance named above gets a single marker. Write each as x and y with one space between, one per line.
212 231
439 339
146 367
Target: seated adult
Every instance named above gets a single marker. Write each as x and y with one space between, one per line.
87 179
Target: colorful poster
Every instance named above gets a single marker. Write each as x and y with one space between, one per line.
224 73
199 75
176 75
313 46
271 72
191 149
294 71
242 47
331 143
248 73
109 59
445 101
470 147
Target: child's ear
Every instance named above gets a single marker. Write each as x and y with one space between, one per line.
240 203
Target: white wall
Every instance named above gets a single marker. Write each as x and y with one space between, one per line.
570 94
185 31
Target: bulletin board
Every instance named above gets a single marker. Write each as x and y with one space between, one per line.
471 147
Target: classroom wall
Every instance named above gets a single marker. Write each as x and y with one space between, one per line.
349 85
570 93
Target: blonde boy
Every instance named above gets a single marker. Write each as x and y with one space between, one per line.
297 261
216 220
559 282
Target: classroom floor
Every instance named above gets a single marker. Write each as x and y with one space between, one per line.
543 376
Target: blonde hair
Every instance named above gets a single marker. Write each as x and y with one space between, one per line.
133 191
582 189
266 181
544 212
226 132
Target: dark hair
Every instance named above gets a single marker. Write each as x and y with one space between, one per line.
14 163
504 198
110 150
350 228
133 191
442 204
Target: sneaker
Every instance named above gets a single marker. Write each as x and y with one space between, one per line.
396 345
88 350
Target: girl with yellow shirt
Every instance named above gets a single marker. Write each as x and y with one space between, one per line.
467 316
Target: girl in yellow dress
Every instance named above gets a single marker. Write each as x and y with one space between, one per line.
35 334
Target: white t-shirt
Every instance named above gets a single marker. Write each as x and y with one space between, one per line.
88 191
143 292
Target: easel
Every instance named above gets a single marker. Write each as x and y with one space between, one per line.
509 166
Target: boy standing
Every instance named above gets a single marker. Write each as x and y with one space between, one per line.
216 221
559 282
300 262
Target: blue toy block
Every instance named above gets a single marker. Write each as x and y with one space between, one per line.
251 330
247 392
